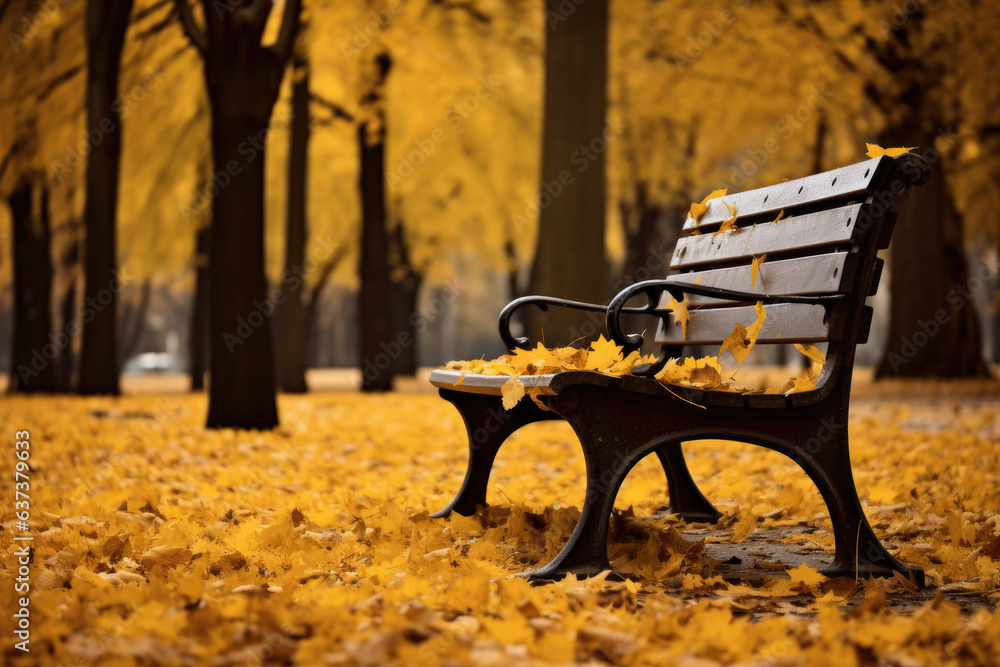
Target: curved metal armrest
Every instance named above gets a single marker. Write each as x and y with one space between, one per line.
653 288
543 303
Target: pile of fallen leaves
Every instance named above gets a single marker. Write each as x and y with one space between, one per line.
603 356
158 543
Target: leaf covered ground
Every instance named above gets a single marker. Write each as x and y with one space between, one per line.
158 543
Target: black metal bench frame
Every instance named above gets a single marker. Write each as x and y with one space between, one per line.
620 420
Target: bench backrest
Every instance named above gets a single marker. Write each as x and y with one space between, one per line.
826 242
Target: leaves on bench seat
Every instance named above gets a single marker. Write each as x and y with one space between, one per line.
606 357
512 392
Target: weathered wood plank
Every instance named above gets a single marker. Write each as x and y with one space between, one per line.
853 179
785 323
821 274
814 230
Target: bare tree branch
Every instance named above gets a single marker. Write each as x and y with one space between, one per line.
191 29
143 13
335 109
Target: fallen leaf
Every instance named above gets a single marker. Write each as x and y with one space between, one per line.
166 555
681 314
728 223
512 392
812 352
698 210
874 150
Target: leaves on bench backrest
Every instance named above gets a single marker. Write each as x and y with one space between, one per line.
728 223
812 352
742 340
697 210
755 269
874 150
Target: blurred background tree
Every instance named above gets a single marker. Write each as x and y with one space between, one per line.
459 105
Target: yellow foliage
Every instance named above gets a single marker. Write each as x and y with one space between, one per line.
157 542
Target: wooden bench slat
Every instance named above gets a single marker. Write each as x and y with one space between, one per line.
814 230
785 323
853 179
820 274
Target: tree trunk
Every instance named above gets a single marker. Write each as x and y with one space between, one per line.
404 307
569 259
292 343
933 327
106 24
133 324
374 308
510 255
996 313
33 352
67 315
198 334
67 311
243 78
643 238
241 350
374 312
404 293
313 303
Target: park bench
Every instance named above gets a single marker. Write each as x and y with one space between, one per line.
821 266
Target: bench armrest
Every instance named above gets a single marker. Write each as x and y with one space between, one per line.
653 288
543 303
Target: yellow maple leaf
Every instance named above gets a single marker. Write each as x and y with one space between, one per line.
754 270
799 384
604 354
522 360
681 313
874 150
803 574
706 376
625 365
742 340
812 352
737 343
512 392
728 223
697 210
754 329
781 214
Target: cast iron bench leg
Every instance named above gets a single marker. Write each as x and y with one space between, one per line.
686 498
858 551
586 552
488 426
